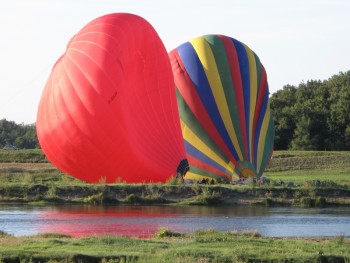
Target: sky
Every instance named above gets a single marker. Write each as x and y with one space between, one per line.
296 40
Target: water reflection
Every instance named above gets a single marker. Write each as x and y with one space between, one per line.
143 221
138 221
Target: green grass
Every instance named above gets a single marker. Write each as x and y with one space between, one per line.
302 166
22 156
203 246
309 160
31 166
339 176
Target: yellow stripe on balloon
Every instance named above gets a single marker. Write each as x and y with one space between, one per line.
196 142
253 93
262 137
194 176
208 62
230 168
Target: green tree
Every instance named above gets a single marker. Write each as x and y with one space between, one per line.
339 112
315 115
302 137
281 104
19 135
311 110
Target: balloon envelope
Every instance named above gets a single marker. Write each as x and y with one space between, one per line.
223 100
108 110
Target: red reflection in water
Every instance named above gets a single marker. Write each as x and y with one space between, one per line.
89 220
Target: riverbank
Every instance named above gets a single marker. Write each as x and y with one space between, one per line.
167 246
292 178
311 196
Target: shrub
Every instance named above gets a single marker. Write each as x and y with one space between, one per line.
165 232
206 232
267 202
99 198
120 181
307 202
51 192
134 199
154 199
37 198
283 195
207 198
4 234
250 233
196 188
173 180
339 239
320 201
53 235
103 180
297 194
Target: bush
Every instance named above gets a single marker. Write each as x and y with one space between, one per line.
99 198
307 202
320 201
250 233
38 198
339 239
268 202
297 194
175 181
165 232
206 232
133 199
207 198
53 235
4 234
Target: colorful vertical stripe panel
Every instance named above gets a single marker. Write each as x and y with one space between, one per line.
223 100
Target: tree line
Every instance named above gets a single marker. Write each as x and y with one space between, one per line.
312 116
22 136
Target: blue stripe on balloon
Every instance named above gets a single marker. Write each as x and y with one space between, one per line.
195 70
258 127
191 150
244 68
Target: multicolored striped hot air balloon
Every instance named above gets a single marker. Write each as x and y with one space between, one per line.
223 100
108 110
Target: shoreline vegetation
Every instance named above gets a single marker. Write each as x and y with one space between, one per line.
293 178
309 179
167 246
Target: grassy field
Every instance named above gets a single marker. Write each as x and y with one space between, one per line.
298 166
301 166
167 246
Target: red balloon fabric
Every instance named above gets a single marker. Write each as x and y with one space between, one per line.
108 111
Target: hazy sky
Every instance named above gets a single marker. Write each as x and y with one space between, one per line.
296 40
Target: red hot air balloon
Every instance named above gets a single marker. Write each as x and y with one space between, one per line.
108 109
223 100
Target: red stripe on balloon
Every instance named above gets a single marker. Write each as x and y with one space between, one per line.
190 95
259 103
204 166
237 85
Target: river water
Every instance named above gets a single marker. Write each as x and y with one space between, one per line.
143 221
